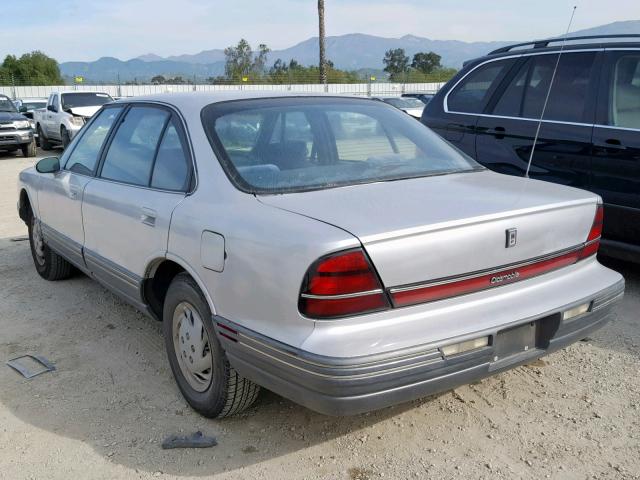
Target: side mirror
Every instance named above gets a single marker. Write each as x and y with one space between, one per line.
48 165
23 109
51 108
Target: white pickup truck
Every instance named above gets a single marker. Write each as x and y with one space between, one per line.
65 114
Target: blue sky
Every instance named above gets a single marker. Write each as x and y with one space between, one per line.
89 29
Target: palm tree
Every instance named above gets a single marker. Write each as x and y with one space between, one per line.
323 63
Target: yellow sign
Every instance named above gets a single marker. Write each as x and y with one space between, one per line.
245 79
78 79
373 79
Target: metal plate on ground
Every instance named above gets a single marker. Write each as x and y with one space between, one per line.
515 340
30 366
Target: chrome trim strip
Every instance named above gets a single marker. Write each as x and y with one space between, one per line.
481 273
344 295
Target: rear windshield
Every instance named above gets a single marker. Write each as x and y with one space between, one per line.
84 99
285 144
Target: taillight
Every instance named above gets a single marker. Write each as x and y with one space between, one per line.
593 239
341 284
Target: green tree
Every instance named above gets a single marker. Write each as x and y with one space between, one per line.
396 62
33 68
426 62
241 61
159 80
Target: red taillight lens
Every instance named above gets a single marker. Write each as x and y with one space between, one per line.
596 228
593 239
341 284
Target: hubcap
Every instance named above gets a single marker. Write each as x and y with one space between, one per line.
191 344
38 242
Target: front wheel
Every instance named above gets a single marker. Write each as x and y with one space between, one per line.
49 264
29 150
64 135
203 373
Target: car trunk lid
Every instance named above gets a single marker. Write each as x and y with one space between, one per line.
424 229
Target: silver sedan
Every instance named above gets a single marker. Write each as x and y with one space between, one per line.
330 249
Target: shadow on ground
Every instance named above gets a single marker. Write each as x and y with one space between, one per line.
114 391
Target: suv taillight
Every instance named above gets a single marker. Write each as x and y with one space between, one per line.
593 239
341 284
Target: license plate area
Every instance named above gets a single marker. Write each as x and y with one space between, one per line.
515 340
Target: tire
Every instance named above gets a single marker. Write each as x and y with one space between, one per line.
221 393
44 141
48 263
66 139
29 150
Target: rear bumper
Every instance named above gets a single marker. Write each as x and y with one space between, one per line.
347 386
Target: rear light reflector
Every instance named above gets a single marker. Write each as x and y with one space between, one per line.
467 346
341 284
439 290
575 311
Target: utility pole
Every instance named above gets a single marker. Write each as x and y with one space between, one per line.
321 38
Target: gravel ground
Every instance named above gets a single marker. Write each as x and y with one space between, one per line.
112 400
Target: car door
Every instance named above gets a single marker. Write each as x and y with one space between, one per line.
616 146
60 194
144 174
456 116
507 129
51 130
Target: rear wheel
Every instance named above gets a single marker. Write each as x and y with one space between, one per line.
29 150
201 368
49 264
44 141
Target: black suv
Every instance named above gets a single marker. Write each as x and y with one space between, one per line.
590 134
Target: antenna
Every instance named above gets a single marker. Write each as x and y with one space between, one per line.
544 106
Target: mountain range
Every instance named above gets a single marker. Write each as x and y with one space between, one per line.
355 51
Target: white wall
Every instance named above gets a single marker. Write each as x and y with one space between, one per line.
133 90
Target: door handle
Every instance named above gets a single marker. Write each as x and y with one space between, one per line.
148 216
499 132
610 144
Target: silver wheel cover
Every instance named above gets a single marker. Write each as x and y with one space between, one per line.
192 348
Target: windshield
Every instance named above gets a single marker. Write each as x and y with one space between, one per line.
84 99
285 144
33 105
404 102
7 105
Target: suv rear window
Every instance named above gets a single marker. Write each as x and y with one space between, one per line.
284 144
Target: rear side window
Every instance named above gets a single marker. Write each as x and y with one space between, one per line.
133 148
84 156
171 168
526 93
472 93
625 92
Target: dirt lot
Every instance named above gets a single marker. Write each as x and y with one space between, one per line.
112 400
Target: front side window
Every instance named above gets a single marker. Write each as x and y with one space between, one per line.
625 92
133 148
84 156
472 93
294 144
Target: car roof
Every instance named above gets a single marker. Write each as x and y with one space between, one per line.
201 99
550 45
